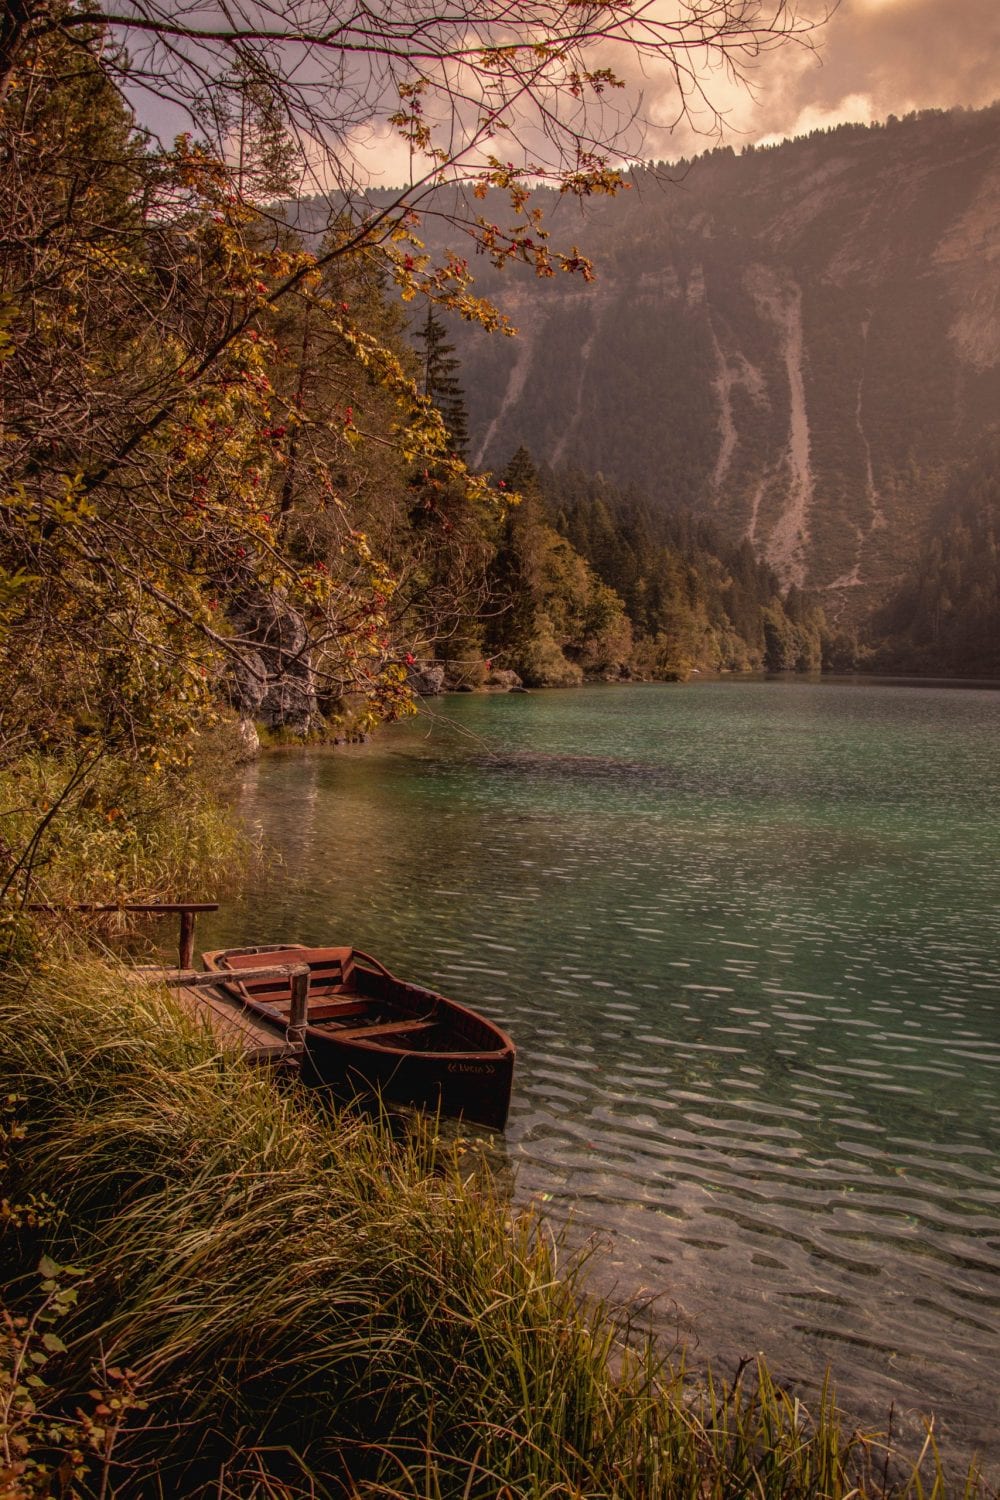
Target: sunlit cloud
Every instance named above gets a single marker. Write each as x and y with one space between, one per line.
886 57
853 109
382 158
873 58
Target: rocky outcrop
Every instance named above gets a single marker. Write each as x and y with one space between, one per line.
432 679
426 681
246 742
501 680
272 681
246 684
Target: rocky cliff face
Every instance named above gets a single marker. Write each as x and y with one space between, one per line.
799 341
272 681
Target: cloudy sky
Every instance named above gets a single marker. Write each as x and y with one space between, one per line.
873 58
870 59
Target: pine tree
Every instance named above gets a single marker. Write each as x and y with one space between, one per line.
520 473
441 384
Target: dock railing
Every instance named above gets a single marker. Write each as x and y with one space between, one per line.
186 910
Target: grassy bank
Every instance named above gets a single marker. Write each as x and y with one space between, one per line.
107 828
265 1300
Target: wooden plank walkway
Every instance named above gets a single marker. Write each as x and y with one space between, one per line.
234 1026
201 995
197 992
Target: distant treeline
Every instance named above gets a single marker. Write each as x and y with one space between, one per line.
588 580
945 618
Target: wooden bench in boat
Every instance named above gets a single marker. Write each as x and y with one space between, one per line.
332 1010
325 1010
384 1028
330 992
330 969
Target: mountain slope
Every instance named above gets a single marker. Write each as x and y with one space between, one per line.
945 618
798 342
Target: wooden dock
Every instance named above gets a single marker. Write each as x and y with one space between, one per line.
201 995
234 1027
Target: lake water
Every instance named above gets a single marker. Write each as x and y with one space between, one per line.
745 935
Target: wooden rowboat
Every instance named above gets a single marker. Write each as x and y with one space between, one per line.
369 1032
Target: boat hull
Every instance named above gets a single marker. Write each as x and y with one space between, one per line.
473 1089
379 1035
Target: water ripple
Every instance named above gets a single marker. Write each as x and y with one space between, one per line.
746 938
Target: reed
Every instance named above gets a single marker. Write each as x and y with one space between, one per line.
114 829
286 1302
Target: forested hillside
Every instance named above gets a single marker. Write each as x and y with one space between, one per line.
796 341
945 618
588 580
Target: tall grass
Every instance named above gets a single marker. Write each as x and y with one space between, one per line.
309 1305
114 829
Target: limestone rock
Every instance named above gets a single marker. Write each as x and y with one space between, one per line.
274 681
502 679
246 684
426 681
289 703
247 742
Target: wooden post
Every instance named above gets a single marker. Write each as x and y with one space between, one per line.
186 943
187 910
300 1007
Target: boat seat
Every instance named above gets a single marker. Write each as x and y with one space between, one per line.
333 1012
329 967
269 991
385 1028
279 994
331 1009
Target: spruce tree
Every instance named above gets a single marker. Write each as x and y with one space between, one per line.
441 384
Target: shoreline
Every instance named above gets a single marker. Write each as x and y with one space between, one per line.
372 1239
293 744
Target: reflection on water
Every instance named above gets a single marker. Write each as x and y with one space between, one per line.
745 936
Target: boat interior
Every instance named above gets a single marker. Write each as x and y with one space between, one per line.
354 996
336 999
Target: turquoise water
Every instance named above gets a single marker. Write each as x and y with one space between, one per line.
746 938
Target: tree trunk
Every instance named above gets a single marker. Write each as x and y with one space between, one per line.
15 19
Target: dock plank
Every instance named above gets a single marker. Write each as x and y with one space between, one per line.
233 1024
